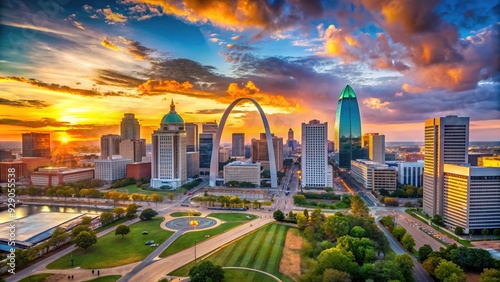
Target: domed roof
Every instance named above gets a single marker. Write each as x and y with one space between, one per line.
172 117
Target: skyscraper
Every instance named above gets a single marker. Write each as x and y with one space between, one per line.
290 134
133 149
347 129
315 169
110 145
206 145
446 141
191 137
209 127
36 144
375 144
168 164
129 127
238 144
261 154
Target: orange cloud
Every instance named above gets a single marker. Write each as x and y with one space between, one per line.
151 86
413 89
251 91
108 44
375 103
112 18
339 43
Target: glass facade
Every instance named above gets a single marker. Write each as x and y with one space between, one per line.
348 129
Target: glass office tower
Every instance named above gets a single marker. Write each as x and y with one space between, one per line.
347 129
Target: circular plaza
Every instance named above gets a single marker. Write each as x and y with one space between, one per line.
185 223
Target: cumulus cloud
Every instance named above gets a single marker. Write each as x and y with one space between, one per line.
106 43
173 86
112 17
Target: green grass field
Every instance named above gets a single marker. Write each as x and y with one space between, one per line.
270 240
238 275
42 277
187 240
111 250
179 214
109 278
230 217
133 189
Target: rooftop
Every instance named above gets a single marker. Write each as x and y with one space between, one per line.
347 93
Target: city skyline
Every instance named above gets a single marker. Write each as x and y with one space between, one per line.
75 70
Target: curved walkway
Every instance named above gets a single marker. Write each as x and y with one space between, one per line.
253 269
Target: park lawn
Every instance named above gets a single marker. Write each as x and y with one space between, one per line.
230 217
179 214
112 251
187 240
112 224
109 278
237 275
243 253
38 277
134 189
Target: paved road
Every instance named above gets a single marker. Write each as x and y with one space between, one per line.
158 269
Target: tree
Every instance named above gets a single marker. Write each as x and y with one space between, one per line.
301 220
85 239
119 212
299 199
398 232
448 271
132 210
106 217
80 228
424 252
279 215
148 214
336 226
438 220
122 229
206 271
431 263
458 231
391 202
484 232
496 232
59 236
339 259
357 231
156 198
358 206
408 242
388 221
328 189
490 275
405 265
334 275
86 220
171 196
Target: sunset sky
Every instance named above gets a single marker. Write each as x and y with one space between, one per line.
73 68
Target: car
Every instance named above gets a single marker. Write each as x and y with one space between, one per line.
190 193
154 245
184 205
145 232
149 242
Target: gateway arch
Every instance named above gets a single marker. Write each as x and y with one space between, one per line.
214 163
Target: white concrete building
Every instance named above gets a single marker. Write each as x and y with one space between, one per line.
373 175
111 169
242 171
446 141
471 197
168 164
316 172
411 173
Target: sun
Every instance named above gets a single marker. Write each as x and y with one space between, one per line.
64 140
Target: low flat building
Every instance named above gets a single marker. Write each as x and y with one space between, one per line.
52 176
242 171
489 161
111 169
139 170
19 170
373 175
471 197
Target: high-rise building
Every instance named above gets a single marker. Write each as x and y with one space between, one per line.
36 144
347 129
290 134
223 155
410 173
373 175
238 144
129 127
168 164
191 137
446 141
193 164
133 149
376 147
209 127
206 145
471 197
316 172
110 145
111 169
260 152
